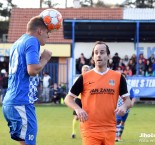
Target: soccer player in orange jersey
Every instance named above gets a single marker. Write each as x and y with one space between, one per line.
99 88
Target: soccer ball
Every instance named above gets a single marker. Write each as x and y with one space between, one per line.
52 19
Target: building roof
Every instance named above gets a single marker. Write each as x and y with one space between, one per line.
20 17
110 30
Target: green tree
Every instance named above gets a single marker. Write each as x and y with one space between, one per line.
100 3
87 3
3 28
1 5
139 3
6 11
49 3
93 3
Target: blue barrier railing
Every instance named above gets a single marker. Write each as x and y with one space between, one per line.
144 87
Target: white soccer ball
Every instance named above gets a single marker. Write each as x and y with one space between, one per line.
52 19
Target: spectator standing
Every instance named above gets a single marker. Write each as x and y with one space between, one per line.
111 64
126 60
116 60
56 93
91 63
132 66
141 67
127 71
63 90
148 65
81 61
134 59
46 87
151 59
4 84
141 56
121 64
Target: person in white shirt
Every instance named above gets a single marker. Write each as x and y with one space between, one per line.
46 87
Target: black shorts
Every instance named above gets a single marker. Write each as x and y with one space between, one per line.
77 101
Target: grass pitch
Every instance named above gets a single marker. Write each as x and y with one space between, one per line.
55 126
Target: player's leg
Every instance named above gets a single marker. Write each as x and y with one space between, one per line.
22 143
43 95
122 124
91 140
14 122
47 94
75 119
74 126
22 123
120 127
109 138
32 126
119 131
118 121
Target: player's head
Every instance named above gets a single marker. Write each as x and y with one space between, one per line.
85 68
101 53
37 28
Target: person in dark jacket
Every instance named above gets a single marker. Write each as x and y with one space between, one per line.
4 84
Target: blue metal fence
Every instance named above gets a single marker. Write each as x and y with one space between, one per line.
58 73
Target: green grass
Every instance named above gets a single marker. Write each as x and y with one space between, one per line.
55 126
141 120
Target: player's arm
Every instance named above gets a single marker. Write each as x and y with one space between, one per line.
81 114
124 93
69 99
133 102
126 105
132 97
125 96
34 69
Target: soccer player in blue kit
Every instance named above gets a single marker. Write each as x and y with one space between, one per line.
24 66
122 119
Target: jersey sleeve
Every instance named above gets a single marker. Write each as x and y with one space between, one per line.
77 87
32 51
123 87
132 95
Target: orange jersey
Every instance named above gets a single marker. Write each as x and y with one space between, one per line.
99 96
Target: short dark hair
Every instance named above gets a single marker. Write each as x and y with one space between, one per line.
34 23
101 42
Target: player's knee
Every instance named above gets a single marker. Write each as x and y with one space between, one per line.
118 122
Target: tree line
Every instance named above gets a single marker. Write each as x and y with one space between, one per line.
5 11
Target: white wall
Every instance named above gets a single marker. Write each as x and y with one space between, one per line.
122 49
139 14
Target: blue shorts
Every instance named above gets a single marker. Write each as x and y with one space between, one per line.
22 123
121 118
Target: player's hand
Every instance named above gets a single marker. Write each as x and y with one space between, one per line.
46 54
121 110
81 114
